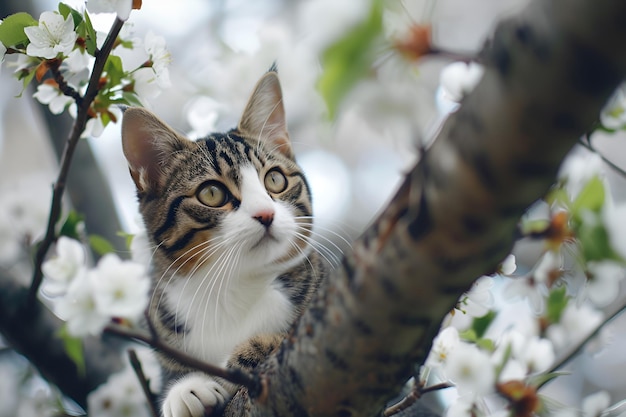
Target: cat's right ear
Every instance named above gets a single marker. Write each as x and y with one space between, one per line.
148 144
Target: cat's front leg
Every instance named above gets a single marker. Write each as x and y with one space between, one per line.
194 395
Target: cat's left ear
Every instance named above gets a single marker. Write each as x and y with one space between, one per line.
264 116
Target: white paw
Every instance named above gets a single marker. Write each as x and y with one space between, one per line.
193 396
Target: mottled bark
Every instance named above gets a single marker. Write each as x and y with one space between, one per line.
549 71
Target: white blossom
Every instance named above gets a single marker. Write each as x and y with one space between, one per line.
120 287
95 125
39 404
61 270
120 7
514 370
78 60
445 342
118 397
161 58
78 307
122 395
455 81
525 288
462 407
613 216
603 285
146 83
578 168
51 95
613 115
576 323
593 405
24 204
479 299
470 369
54 35
508 266
538 355
549 264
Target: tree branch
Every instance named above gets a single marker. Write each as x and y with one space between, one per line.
144 382
548 73
575 351
234 375
59 186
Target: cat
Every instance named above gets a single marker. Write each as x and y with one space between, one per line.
229 217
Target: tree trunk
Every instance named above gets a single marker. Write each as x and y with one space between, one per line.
548 73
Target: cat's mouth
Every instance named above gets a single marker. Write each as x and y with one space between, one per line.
266 238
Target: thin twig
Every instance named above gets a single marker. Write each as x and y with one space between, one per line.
587 144
234 375
79 126
144 382
65 88
415 394
612 314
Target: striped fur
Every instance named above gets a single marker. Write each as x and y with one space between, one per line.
229 278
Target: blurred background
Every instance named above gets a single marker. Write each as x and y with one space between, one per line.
219 48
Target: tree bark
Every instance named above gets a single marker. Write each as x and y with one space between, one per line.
548 73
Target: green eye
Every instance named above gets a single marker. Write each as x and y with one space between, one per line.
275 181
213 194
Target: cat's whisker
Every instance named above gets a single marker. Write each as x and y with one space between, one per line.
323 251
204 255
175 272
228 276
331 231
305 256
315 235
211 282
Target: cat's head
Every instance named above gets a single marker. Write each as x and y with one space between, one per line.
236 198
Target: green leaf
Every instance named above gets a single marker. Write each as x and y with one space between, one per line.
556 303
114 70
90 41
74 349
468 335
486 344
100 245
12 29
26 79
542 379
72 225
66 10
128 238
481 324
131 99
350 58
590 198
594 241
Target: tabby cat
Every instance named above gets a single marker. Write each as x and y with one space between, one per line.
229 218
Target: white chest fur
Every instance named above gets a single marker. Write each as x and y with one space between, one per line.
219 316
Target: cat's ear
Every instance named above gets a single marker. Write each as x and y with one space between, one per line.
264 116
148 144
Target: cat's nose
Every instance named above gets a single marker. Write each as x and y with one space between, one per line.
265 217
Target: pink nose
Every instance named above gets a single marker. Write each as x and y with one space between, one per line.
265 217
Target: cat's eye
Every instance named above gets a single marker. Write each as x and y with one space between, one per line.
213 194
275 181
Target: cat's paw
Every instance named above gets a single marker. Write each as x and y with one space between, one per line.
195 395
